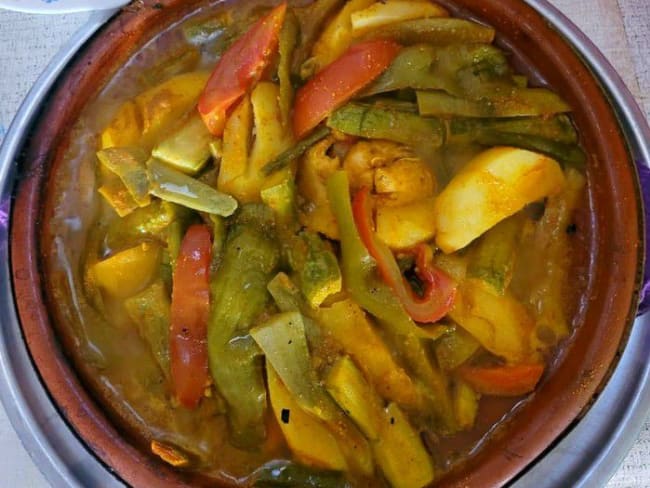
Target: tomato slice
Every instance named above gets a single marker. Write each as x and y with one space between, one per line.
189 316
239 68
511 380
439 289
339 81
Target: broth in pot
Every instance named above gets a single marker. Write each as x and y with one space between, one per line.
322 245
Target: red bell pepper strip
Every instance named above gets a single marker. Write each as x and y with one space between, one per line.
239 68
439 289
190 310
511 380
339 81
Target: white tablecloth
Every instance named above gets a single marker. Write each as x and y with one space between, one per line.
621 28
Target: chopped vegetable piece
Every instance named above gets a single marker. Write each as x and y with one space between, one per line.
336 37
510 102
493 258
466 402
433 332
454 348
511 380
241 173
396 445
239 68
311 18
272 138
356 397
394 125
568 154
340 81
542 277
236 144
282 199
129 165
349 326
239 296
174 239
438 296
493 186
316 267
282 340
169 454
387 12
499 322
401 454
189 316
125 129
150 311
360 278
294 152
161 107
146 223
308 438
438 31
448 68
286 46
128 272
117 195
216 149
188 148
287 474
174 186
557 128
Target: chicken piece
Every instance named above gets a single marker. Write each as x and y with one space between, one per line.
316 167
390 170
366 156
405 181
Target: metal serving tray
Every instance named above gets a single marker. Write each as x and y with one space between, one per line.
587 454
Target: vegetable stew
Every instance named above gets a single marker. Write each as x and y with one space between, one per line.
329 245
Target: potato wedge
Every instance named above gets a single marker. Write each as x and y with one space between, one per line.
391 11
337 36
308 438
493 186
499 323
126 273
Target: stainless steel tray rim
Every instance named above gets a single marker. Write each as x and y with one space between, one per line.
587 456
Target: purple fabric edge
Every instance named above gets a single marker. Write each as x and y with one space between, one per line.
644 182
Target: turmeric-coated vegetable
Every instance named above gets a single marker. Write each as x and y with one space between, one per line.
380 14
493 186
127 272
397 446
238 297
308 438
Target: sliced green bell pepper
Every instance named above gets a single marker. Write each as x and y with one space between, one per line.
362 281
239 295
384 123
173 186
